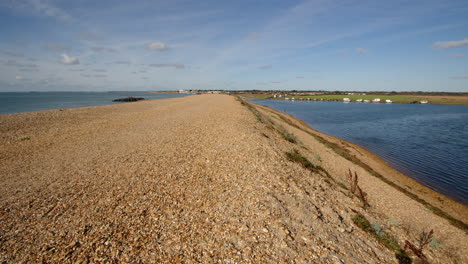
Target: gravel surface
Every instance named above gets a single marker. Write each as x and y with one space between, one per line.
192 179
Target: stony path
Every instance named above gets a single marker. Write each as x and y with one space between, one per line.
194 179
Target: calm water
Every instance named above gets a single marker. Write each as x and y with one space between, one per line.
35 101
426 142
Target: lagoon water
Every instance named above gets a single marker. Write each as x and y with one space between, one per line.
37 101
426 142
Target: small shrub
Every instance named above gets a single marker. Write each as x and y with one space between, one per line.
435 244
393 221
295 156
25 138
423 240
289 137
317 157
377 229
356 190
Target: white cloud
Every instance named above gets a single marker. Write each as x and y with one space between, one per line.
159 46
451 44
361 50
49 10
69 60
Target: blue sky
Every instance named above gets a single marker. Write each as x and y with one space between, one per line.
84 45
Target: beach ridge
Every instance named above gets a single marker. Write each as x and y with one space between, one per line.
202 178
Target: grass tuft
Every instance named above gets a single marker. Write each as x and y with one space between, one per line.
295 156
289 137
385 239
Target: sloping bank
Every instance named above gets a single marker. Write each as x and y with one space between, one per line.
206 178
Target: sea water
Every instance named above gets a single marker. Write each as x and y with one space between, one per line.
37 101
426 142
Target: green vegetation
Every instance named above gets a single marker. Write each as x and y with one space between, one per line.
289 137
295 156
317 157
384 238
342 185
25 138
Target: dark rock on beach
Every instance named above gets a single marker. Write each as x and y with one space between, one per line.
128 99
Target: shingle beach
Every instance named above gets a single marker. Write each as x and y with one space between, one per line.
201 179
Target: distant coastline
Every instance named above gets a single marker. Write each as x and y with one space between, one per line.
458 99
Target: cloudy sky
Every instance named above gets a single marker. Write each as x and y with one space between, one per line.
89 45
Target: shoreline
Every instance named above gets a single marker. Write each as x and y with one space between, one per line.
366 157
199 179
369 156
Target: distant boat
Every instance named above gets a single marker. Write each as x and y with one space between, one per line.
366 101
424 102
376 100
388 101
359 100
346 100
